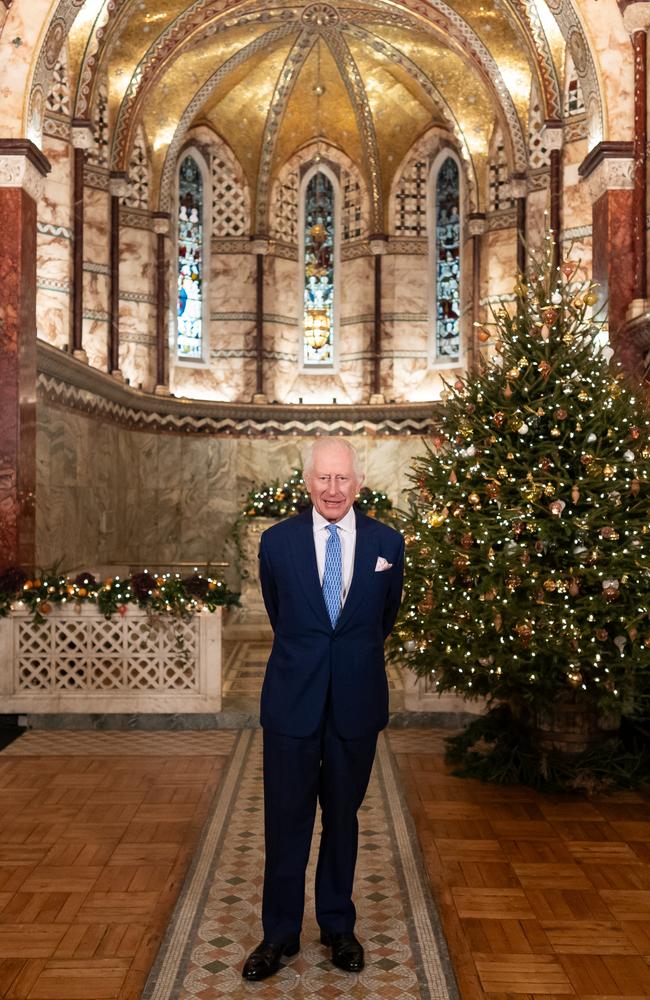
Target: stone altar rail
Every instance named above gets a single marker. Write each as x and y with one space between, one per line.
78 661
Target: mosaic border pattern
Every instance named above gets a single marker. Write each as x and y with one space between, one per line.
210 929
66 382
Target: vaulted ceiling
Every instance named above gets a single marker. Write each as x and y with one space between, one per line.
369 77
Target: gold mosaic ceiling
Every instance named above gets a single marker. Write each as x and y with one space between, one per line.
368 77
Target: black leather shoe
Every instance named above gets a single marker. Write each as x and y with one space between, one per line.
347 953
264 961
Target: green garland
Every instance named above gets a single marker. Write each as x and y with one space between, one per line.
164 593
280 499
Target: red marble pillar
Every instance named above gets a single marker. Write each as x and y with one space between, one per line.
609 170
22 168
553 141
476 228
640 45
519 193
260 247
161 228
378 247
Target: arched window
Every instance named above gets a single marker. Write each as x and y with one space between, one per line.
444 243
190 260
318 256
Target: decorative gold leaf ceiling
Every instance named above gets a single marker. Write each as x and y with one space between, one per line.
368 77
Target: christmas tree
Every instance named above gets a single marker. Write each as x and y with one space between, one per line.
527 539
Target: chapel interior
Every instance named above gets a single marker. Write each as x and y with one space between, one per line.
226 227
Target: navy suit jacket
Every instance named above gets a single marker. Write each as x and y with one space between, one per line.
310 659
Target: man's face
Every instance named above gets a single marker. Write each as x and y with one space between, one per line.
332 482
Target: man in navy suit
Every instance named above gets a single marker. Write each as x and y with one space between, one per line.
332 584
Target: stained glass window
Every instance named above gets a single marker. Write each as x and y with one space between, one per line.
447 194
190 260
318 296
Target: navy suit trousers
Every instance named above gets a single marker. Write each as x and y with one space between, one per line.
298 773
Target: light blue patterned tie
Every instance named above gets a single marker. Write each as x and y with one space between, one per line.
333 575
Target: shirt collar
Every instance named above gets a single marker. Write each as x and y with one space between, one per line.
347 523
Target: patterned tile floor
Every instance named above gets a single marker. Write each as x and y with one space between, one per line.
216 921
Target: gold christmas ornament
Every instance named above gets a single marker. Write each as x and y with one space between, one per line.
591 299
550 585
555 432
502 472
483 336
575 494
583 396
435 518
474 499
426 604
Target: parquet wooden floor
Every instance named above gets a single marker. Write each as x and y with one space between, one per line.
93 851
540 896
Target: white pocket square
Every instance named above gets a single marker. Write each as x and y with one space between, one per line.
382 564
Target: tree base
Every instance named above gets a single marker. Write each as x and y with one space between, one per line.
499 748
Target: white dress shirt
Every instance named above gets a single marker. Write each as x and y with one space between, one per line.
347 532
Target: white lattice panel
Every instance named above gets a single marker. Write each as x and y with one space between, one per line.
77 660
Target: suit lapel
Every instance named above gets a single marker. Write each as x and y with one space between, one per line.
366 551
304 557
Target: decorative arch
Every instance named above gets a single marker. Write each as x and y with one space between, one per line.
408 207
355 201
573 100
445 227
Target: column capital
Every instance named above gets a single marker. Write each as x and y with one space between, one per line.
260 245
518 185
636 15
552 135
81 133
378 244
161 223
118 184
23 165
609 166
476 223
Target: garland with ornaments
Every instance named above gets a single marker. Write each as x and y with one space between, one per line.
165 593
527 537
281 498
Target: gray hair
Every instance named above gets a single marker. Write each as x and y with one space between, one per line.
326 441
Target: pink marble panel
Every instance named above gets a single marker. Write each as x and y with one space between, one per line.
17 377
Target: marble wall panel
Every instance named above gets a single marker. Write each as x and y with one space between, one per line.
54 247
55 207
499 264
106 494
537 219
23 26
405 283
612 52
95 338
53 313
232 282
137 260
138 343
96 226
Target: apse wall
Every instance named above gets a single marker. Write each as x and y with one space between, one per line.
124 479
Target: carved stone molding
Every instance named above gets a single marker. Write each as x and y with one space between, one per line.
23 165
636 16
609 166
66 382
81 134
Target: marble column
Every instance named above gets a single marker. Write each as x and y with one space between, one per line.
22 171
519 193
476 226
636 19
81 136
161 228
260 247
553 142
118 186
378 247
609 172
